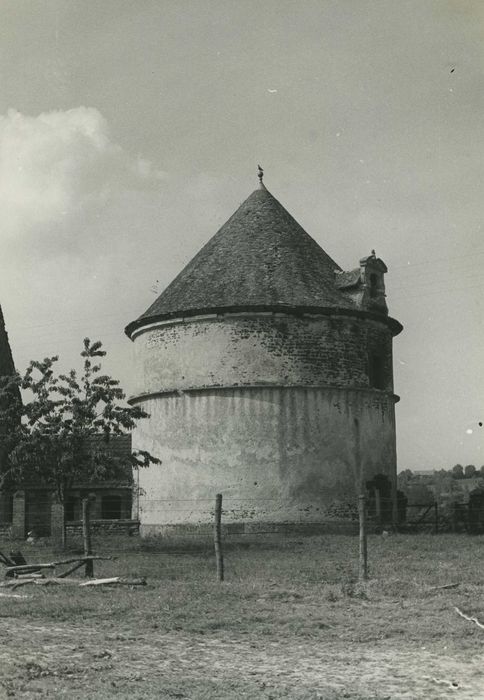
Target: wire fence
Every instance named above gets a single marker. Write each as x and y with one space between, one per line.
244 517
222 537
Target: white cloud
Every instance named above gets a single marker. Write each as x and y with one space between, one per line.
59 169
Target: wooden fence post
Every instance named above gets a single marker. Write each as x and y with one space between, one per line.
58 524
217 537
454 517
436 517
18 517
86 534
363 563
378 506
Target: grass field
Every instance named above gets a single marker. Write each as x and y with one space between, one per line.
289 622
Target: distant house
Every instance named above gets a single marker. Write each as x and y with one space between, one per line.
29 509
111 510
113 497
460 501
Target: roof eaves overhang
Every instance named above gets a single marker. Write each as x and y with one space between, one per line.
394 325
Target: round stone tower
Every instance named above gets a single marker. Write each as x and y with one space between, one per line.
267 374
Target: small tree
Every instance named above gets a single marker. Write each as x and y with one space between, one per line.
470 471
404 478
50 436
458 471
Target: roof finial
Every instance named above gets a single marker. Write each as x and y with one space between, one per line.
260 174
373 252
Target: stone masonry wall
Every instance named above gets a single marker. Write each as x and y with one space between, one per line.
267 349
277 454
106 527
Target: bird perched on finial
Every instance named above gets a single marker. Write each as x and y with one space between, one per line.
260 174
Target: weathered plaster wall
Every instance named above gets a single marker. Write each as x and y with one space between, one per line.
278 455
260 350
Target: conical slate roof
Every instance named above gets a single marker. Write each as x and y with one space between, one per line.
260 258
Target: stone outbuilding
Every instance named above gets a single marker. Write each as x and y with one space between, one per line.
267 373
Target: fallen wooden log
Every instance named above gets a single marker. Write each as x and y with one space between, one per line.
42 582
446 585
71 570
51 565
116 580
56 581
7 561
16 582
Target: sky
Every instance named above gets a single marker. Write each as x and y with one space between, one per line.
130 131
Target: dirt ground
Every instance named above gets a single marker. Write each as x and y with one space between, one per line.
63 661
293 636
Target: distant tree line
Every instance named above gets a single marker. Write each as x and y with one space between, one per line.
457 472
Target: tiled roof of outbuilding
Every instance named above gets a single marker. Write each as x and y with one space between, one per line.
261 257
